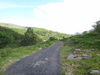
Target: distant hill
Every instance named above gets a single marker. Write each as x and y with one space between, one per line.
46 34
14 26
10 25
30 27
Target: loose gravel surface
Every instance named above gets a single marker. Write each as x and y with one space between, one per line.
45 62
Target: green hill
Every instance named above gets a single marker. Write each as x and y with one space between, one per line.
10 25
16 34
14 26
80 54
46 34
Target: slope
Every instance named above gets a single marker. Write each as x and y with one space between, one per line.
80 53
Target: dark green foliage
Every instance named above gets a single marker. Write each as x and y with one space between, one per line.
29 38
38 35
46 34
52 38
5 39
85 32
43 33
11 32
84 40
97 27
14 36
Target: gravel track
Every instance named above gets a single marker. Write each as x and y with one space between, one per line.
45 62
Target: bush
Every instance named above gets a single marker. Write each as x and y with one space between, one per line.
30 38
52 38
5 39
97 27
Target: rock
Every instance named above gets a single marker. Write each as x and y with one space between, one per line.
81 50
46 58
74 57
98 54
92 49
77 50
71 57
78 57
87 51
86 56
95 72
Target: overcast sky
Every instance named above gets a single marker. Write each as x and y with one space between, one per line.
67 16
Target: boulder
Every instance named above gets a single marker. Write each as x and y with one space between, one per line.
71 57
98 54
77 50
78 57
95 72
86 56
81 50
74 57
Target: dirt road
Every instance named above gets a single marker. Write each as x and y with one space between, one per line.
45 62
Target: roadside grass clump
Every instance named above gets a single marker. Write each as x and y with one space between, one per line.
65 67
46 44
10 55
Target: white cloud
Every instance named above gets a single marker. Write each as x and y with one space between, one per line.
50 11
69 17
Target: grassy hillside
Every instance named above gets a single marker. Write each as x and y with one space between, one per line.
16 35
89 40
80 54
44 33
